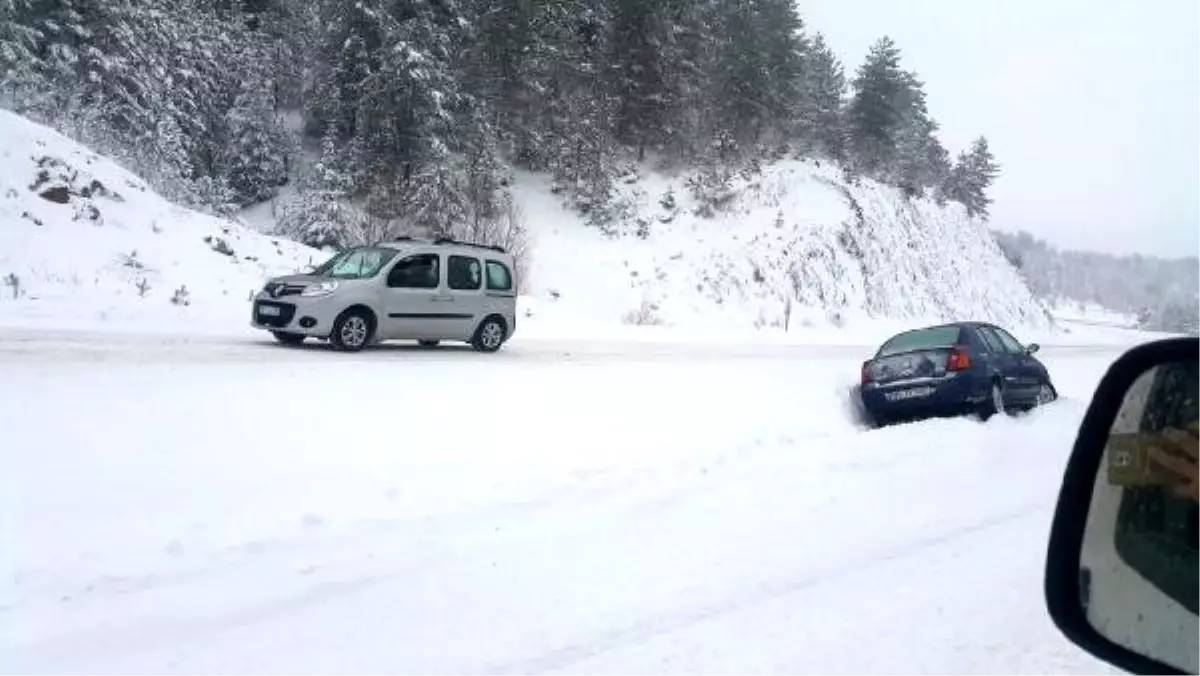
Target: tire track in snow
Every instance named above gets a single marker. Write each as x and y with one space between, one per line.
651 627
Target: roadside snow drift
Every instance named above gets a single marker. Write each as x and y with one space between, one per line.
85 241
794 245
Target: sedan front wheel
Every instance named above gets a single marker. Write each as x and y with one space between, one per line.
1046 394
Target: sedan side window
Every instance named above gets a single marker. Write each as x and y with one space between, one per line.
1012 345
415 272
990 340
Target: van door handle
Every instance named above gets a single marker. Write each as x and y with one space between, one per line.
441 299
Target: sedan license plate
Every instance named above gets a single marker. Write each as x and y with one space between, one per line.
268 310
914 393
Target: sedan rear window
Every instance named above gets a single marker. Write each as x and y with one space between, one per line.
921 339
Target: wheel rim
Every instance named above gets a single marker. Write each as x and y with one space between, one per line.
492 334
1045 394
997 399
354 331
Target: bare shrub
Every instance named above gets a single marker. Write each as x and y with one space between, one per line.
646 315
12 281
182 296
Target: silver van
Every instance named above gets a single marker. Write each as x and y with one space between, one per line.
407 289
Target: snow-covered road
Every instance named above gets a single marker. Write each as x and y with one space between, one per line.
220 505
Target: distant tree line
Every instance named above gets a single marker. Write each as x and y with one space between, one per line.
1163 294
414 111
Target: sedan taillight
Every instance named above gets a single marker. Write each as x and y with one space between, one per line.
958 360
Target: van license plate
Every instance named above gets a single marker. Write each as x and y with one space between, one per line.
268 310
914 393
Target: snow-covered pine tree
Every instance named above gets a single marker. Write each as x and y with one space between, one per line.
408 117
21 69
821 127
756 68
580 106
685 58
876 109
253 161
919 160
781 45
972 175
316 214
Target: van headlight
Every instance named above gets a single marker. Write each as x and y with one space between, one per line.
321 289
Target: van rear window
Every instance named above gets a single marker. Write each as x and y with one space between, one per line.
921 339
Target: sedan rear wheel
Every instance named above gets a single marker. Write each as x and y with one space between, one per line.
994 403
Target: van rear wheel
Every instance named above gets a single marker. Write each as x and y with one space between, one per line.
490 335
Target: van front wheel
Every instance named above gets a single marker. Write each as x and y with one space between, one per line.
352 331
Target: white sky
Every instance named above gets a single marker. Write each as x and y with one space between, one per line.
1091 107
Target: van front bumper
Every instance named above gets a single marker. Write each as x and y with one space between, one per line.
293 315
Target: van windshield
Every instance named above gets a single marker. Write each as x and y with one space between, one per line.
357 263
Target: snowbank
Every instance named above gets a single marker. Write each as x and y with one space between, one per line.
87 243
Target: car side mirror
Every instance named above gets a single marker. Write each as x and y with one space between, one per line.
1032 348
1121 567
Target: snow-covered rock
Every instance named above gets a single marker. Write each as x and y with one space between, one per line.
84 241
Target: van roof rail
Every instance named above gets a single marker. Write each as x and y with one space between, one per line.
451 240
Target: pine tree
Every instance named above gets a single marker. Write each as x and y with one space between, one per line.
316 215
918 161
972 175
580 108
20 67
821 128
877 108
253 159
756 68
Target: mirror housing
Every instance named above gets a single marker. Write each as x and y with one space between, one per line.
1123 591
1032 348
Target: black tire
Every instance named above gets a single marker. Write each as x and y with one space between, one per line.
1046 394
994 403
352 330
428 343
490 335
288 338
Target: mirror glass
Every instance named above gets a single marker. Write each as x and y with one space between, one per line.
1138 576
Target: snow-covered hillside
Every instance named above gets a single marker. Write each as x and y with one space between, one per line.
795 233
792 245
85 240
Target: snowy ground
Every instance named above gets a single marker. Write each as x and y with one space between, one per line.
222 504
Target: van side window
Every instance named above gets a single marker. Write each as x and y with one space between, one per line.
415 272
498 277
463 273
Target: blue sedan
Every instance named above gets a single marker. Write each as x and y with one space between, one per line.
951 370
